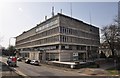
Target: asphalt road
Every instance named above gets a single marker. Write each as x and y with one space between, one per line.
43 71
31 70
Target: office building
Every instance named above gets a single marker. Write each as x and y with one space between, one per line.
60 38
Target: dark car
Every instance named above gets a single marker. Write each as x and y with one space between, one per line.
19 59
27 61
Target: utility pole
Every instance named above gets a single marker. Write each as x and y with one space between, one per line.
10 40
71 9
52 11
90 18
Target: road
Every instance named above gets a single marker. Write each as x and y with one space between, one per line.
31 70
46 71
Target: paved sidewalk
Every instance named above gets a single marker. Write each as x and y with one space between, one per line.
6 71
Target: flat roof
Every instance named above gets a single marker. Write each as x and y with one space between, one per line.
58 14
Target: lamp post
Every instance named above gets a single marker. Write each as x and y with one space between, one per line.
10 40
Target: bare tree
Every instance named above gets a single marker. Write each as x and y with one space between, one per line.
111 36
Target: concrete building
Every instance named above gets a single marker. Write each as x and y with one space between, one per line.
60 38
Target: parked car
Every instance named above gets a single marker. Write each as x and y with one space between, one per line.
19 59
27 61
34 62
12 61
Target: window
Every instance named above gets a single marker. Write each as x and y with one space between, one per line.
62 38
63 30
65 47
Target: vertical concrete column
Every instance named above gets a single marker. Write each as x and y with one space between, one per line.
71 56
36 56
84 56
86 53
31 55
24 54
59 47
59 53
90 48
44 56
90 52
59 56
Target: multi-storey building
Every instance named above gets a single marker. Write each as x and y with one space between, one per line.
60 38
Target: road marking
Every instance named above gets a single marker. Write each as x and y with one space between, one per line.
19 72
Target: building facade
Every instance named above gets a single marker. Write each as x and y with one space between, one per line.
60 38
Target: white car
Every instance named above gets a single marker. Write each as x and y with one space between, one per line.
19 59
34 62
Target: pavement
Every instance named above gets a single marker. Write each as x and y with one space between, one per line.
6 71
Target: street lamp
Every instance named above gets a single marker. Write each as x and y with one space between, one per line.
10 40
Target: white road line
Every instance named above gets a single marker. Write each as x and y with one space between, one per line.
19 72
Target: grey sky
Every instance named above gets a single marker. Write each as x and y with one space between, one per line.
16 17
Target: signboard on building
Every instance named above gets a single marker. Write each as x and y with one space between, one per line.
52 23
75 54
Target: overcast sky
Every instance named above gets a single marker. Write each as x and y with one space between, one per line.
16 17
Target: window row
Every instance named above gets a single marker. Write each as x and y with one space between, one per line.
79 25
51 23
70 39
73 47
40 35
78 33
41 41
42 48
